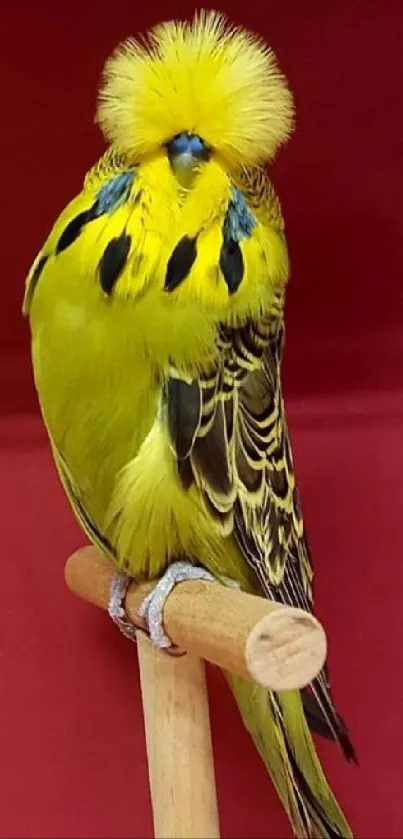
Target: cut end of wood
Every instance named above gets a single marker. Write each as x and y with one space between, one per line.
286 649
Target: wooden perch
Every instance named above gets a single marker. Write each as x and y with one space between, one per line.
278 646
179 748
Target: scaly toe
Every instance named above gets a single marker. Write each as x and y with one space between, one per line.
152 607
117 593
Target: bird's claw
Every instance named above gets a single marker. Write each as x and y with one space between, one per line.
152 607
117 593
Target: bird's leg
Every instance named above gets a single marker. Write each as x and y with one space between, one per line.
152 607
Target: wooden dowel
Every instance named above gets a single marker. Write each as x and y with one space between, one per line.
278 646
179 749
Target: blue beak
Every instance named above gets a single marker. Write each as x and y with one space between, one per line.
188 146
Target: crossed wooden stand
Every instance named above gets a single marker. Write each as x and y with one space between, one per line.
277 646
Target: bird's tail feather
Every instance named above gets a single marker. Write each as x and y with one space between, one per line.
323 719
280 732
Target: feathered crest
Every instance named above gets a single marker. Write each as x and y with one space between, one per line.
207 77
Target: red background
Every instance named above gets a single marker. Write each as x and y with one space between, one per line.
71 732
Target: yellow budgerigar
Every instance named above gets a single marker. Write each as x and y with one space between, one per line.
156 311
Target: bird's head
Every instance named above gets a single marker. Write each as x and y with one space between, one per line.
196 90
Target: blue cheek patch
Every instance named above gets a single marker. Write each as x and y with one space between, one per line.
239 221
114 193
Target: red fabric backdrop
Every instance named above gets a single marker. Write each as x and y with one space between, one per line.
71 732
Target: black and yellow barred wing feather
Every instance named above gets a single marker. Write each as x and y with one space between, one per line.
230 437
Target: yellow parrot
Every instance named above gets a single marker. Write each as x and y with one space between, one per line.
156 312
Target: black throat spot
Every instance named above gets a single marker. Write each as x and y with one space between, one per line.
180 262
113 261
231 264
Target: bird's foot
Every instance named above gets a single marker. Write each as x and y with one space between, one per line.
117 592
152 607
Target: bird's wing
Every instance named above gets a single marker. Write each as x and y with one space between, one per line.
85 520
229 432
